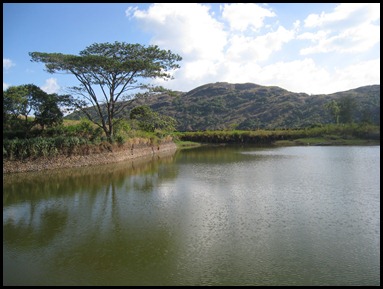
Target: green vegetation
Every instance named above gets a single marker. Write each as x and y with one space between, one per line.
248 106
146 126
19 102
186 144
107 73
77 138
20 149
106 116
321 135
148 120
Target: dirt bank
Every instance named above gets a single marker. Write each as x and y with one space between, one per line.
115 154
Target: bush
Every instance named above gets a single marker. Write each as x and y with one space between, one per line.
20 149
120 139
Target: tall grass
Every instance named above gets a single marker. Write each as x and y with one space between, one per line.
20 149
270 136
80 137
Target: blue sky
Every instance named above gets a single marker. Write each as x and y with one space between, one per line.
313 48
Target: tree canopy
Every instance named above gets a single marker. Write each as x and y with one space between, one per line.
25 100
108 73
148 120
343 109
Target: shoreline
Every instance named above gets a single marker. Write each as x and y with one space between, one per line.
63 161
130 151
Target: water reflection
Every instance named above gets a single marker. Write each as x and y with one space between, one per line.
205 216
36 228
46 184
77 217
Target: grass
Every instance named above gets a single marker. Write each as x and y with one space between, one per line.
326 141
186 144
68 122
352 134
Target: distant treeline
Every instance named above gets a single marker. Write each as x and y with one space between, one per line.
365 131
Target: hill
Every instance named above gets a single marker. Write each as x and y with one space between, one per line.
247 106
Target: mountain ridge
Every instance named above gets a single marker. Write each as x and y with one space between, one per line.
248 106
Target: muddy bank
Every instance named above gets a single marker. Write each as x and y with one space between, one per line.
116 154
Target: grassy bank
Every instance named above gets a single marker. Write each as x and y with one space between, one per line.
74 138
83 139
186 144
321 135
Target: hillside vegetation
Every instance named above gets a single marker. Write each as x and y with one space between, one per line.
212 113
248 106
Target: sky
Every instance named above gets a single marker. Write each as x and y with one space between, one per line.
315 48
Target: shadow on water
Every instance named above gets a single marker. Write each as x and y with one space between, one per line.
218 154
81 220
36 230
21 187
220 215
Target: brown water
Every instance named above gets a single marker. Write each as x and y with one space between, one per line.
205 216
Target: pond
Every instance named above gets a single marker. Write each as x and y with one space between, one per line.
214 215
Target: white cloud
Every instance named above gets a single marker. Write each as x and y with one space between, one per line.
186 28
353 13
51 86
5 86
130 11
297 24
349 29
317 36
194 72
242 16
7 63
307 76
208 50
360 74
243 50
298 75
353 40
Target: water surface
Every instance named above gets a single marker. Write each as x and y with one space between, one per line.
223 215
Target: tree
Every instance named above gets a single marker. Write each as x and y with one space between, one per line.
334 108
107 72
347 107
148 120
27 100
48 112
13 103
